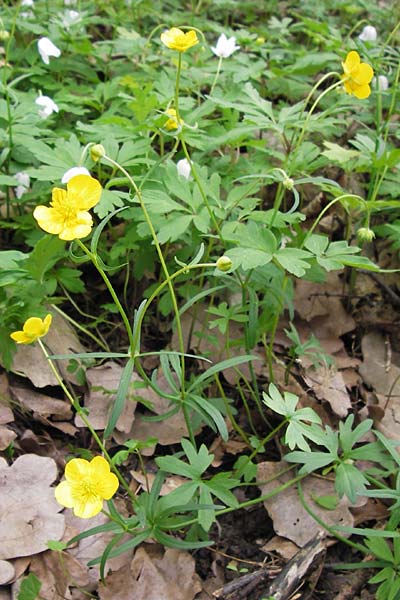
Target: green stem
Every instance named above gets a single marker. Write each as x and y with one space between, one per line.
93 258
84 418
216 75
171 290
275 324
232 419
86 331
261 445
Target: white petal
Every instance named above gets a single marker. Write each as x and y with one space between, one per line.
73 172
184 168
368 34
47 48
23 178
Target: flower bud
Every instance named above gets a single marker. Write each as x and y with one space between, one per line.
4 35
288 183
96 152
365 234
224 263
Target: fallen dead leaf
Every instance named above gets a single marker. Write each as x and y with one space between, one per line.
328 384
154 575
281 546
41 404
7 572
170 483
290 519
57 572
6 437
28 510
384 378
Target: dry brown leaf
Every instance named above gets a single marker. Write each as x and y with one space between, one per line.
30 362
328 384
6 414
170 483
384 378
28 510
154 575
41 404
313 300
6 437
283 547
7 572
290 519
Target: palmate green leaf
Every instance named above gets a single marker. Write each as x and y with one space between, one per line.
340 155
174 229
311 460
349 481
293 260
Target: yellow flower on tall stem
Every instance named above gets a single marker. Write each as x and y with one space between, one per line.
33 328
176 39
67 214
173 122
86 486
357 76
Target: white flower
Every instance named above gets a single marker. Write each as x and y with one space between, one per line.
46 49
368 34
69 2
381 82
73 172
184 168
24 182
225 47
49 106
27 3
71 17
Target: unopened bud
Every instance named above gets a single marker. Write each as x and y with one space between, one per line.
288 183
96 152
365 234
224 263
4 35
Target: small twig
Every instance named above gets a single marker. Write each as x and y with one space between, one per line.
239 589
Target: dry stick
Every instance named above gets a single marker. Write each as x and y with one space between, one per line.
295 571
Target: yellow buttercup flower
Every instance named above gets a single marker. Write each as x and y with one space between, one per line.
86 485
357 76
176 39
33 329
172 122
67 214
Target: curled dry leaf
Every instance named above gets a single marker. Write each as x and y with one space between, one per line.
153 575
290 519
328 384
28 510
41 404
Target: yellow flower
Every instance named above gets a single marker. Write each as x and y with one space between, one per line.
357 76
67 215
87 484
176 39
33 329
172 122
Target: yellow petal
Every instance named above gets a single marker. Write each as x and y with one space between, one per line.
63 494
362 91
364 74
84 191
48 219
352 61
109 486
86 509
169 37
21 337
34 327
76 470
99 466
47 322
77 227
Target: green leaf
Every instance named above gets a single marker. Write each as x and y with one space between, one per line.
292 260
30 588
119 402
340 155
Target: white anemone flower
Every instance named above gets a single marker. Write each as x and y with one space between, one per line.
184 168
225 47
49 106
24 182
71 17
368 34
382 82
47 48
73 173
